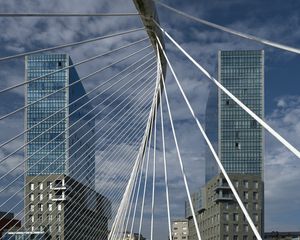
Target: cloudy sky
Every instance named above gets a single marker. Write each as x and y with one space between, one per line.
267 19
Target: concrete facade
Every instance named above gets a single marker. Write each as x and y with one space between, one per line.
61 206
220 217
180 230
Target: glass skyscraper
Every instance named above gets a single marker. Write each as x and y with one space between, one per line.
240 136
60 154
240 142
52 144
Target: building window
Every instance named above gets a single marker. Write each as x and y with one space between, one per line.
245 237
255 217
235 217
40 207
31 218
237 145
236 228
40 196
255 206
40 185
31 186
50 196
246 228
236 184
255 195
40 217
226 227
246 184
50 206
226 216
59 207
49 217
31 207
246 195
256 184
31 196
253 124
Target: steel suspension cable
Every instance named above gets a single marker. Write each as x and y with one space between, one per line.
127 213
72 103
111 144
74 153
145 186
231 31
153 162
153 174
235 99
72 65
66 14
125 157
145 139
18 149
45 190
137 183
63 131
85 134
73 83
80 138
181 164
240 202
165 168
138 193
71 44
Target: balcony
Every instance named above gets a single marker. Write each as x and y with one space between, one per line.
223 186
223 197
59 196
58 185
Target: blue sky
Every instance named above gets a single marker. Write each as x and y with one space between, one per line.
272 20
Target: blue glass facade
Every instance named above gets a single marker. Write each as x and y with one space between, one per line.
240 136
54 151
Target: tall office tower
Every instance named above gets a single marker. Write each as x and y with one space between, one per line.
241 151
60 157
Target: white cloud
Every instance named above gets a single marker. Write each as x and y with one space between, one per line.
27 34
282 167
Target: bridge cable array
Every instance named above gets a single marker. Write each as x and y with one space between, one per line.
126 131
145 89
